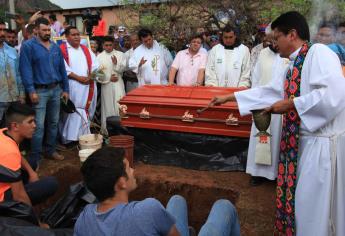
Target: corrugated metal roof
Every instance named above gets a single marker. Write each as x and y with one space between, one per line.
72 4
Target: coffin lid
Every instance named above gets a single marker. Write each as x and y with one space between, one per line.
178 95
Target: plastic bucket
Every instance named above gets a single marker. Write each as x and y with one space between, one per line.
85 153
90 141
126 142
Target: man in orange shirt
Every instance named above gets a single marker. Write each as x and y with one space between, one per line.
18 181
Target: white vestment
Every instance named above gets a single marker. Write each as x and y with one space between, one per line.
320 191
112 92
155 70
228 68
269 66
130 85
74 125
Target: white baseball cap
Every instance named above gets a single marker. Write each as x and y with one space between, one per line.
121 28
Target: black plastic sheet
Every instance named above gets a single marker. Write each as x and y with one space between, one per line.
19 211
16 227
64 213
188 150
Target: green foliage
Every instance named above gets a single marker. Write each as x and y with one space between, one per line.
272 10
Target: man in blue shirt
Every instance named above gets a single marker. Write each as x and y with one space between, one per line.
11 88
45 80
110 178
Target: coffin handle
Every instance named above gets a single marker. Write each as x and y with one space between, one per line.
232 120
144 114
188 117
123 111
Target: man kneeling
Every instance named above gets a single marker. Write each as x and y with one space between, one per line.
18 181
108 176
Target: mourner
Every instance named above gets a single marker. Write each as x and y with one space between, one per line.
228 63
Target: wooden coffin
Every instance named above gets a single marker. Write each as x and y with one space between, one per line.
174 108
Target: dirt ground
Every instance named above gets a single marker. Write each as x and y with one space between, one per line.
255 205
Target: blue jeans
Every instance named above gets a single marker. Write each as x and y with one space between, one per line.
222 220
47 112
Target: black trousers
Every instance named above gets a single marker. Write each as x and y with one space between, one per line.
37 191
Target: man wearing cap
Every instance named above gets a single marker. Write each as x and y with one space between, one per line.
151 60
228 62
260 36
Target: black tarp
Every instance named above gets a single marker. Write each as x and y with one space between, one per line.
16 227
64 213
188 150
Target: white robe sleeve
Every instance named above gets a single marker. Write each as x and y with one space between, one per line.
133 62
121 63
95 64
210 72
167 57
260 97
245 70
68 68
326 98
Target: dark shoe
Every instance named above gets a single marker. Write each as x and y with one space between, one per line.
192 231
65 147
56 156
256 181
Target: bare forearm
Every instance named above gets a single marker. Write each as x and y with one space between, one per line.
172 74
74 76
23 197
231 98
201 77
26 166
19 194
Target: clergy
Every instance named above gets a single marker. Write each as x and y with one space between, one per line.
228 63
262 160
311 169
113 64
79 62
151 60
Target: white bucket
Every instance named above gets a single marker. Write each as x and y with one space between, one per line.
85 153
90 141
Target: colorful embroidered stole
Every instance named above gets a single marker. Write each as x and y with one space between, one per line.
65 55
287 167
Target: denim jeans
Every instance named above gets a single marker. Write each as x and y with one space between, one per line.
47 112
222 220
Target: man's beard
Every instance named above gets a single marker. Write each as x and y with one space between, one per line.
45 38
272 48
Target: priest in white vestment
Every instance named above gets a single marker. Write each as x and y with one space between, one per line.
270 66
228 63
129 76
74 125
113 64
320 191
150 61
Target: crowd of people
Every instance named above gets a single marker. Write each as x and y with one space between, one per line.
44 75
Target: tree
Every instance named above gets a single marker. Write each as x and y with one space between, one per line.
174 21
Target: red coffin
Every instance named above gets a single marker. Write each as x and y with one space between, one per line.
174 108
